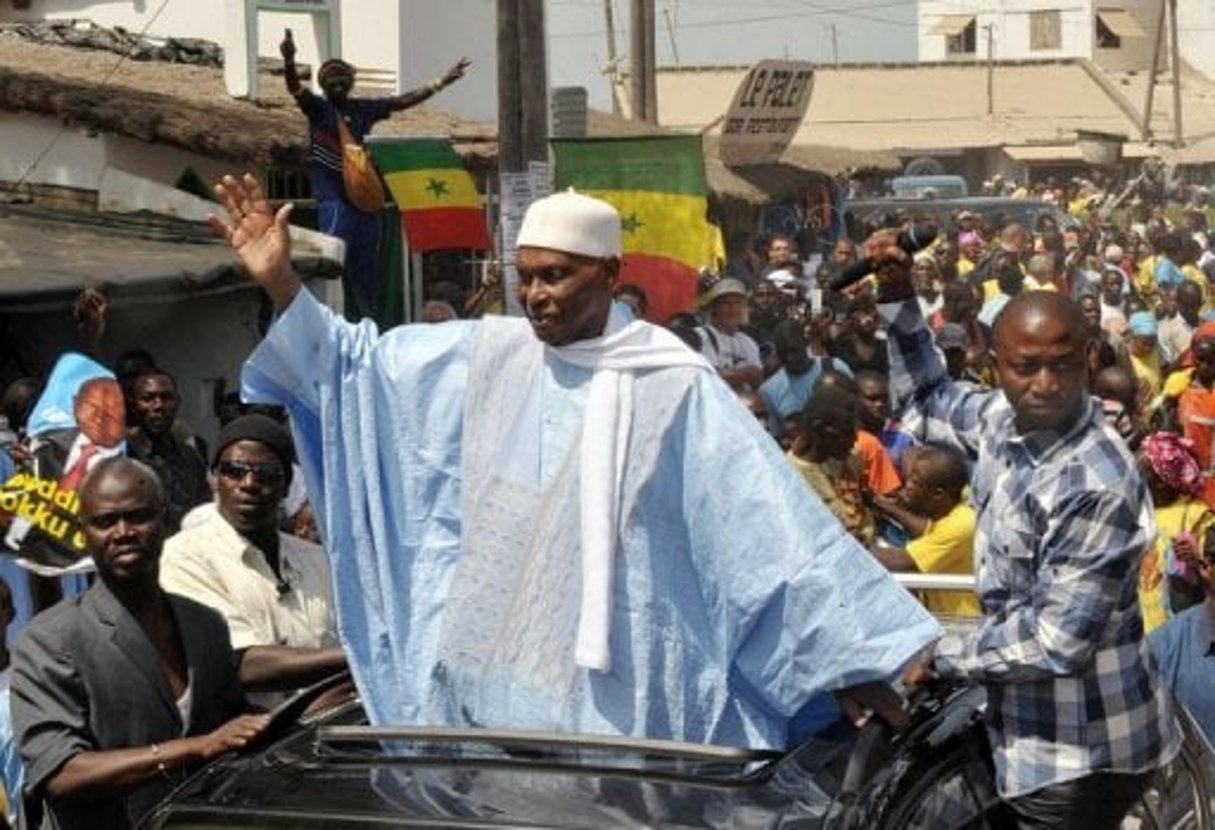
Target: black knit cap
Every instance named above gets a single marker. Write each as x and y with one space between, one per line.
260 428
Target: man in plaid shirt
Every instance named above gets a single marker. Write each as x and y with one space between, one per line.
1077 717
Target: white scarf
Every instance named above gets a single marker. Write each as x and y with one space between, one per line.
624 349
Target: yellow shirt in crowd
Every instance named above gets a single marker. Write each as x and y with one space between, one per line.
1186 515
1177 383
1145 279
1150 375
1195 275
947 547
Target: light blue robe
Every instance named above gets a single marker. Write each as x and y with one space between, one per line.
737 597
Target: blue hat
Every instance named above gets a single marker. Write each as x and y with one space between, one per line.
1142 324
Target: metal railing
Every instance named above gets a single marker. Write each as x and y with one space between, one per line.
937 582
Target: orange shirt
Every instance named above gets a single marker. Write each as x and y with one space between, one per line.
1196 416
880 474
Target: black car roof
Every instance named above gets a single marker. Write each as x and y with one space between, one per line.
334 774
941 211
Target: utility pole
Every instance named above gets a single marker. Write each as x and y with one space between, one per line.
991 70
522 125
613 62
835 46
522 85
666 14
1146 129
651 64
642 83
1178 140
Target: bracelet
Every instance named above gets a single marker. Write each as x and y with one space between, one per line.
436 85
160 764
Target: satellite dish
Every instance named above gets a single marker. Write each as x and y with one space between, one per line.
924 166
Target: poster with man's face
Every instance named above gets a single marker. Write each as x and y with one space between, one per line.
79 420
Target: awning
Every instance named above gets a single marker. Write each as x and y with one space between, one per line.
1045 153
1068 153
951 25
1121 22
47 255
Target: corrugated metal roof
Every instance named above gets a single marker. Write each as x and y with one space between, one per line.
48 254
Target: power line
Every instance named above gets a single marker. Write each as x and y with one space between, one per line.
847 11
63 128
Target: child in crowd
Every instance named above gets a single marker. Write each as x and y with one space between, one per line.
823 453
939 522
1168 580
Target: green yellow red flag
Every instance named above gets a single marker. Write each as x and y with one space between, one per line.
658 185
439 203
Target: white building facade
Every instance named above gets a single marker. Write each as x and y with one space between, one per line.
1118 35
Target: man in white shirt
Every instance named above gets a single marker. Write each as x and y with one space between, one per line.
723 342
1181 314
274 590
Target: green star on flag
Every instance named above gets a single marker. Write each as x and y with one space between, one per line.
437 187
658 185
438 199
631 224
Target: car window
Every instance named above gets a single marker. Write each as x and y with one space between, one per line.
919 187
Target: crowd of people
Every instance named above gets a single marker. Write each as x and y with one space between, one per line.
843 383
1032 405
181 652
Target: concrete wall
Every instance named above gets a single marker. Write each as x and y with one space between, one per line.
368 34
1135 52
1196 24
417 40
196 18
160 163
75 158
72 157
1011 30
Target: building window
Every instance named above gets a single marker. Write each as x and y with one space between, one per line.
958 31
963 41
1106 39
1115 24
1045 30
287 184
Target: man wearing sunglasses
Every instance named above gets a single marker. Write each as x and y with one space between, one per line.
272 588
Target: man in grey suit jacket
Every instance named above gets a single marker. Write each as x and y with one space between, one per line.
119 693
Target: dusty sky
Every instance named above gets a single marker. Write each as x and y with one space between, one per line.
727 32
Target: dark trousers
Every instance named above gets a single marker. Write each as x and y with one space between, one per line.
1095 802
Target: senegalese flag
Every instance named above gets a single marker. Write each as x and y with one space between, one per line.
439 204
658 185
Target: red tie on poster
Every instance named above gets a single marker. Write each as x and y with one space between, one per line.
72 478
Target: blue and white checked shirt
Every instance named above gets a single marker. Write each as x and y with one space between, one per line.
1063 521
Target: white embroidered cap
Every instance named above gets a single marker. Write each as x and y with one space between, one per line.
573 223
